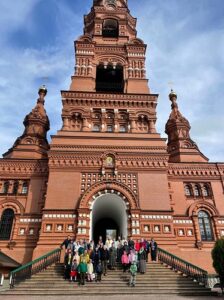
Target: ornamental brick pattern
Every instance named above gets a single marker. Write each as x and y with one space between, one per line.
108 161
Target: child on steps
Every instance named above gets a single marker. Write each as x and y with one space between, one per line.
133 271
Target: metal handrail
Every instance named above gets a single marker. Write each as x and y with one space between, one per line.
183 266
40 264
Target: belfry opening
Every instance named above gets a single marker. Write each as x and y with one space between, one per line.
109 78
108 217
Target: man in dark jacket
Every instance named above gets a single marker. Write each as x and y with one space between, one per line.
104 259
95 256
66 242
153 248
126 248
131 244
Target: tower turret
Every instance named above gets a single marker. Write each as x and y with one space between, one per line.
181 147
109 55
33 142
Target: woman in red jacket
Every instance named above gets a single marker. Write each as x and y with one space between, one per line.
137 246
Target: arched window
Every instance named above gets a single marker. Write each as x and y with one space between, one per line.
6 187
110 28
6 224
15 187
25 188
197 191
205 226
188 191
206 191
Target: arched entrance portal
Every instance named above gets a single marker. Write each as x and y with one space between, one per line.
108 217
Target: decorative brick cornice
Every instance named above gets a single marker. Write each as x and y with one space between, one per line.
22 167
194 170
108 100
91 148
86 160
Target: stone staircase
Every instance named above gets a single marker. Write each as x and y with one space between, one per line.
157 280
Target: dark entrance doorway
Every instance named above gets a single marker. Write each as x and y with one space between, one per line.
102 227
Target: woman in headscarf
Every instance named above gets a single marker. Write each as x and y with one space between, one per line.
142 260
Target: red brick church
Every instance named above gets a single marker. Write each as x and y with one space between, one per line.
107 170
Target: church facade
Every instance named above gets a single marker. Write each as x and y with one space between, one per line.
107 171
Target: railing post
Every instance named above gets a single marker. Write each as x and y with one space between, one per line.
172 263
11 281
187 269
45 262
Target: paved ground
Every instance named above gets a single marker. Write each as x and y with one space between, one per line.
128 297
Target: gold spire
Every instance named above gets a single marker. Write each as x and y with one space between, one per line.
43 90
172 95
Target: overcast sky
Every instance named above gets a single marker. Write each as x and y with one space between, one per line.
185 46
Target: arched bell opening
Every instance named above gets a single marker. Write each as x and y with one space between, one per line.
110 78
110 28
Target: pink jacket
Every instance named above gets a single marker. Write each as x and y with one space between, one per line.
124 259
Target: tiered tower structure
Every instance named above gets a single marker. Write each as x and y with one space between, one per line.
107 171
108 144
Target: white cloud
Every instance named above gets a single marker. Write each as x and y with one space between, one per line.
14 14
193 61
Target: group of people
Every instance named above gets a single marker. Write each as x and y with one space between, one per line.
88 260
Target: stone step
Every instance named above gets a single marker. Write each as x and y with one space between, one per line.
101 286
163 270
148 276
158 280
112 281
106 286
130 290
154 266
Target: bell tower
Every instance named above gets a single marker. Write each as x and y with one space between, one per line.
108 144
109 55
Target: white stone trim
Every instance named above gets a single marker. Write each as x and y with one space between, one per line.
136 54
157 217
84 52
182 222
30 220
59 216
